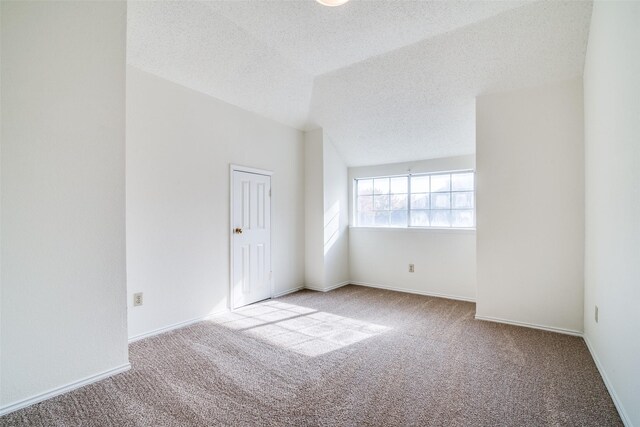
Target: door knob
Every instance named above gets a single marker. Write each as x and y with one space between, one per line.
238 231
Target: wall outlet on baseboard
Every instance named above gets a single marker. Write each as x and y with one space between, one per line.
137 299
412 268
596 314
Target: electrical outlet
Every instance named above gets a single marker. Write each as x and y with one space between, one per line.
596 314
412 268
137 299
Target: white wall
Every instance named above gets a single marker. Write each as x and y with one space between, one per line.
612 137
530 206
179 147
63 194
314 208
445 260
336 217
0 202
326 214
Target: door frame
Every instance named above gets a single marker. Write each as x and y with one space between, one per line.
238 168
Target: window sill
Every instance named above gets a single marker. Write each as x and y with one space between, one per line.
415 229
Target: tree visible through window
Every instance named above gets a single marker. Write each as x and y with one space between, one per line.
426 200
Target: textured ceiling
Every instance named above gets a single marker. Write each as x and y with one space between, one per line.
387 80
319 39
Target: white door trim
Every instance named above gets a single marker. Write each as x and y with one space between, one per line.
238 168
249 170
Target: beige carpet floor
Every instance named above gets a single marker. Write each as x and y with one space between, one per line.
351 357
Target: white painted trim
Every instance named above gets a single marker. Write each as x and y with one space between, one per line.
530 325
287 292
233 168
607 382
175 326
63 389
413 291
240 168
330 288
413 229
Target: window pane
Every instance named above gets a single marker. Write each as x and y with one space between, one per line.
398 202
440 182
399 185
365 203
399 218
381 202
462 200
462 218
440 218
419 184
440 200
382 218
365 186
420 201
420 218
462 181
381 186
365 219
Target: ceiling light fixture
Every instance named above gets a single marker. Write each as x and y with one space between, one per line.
332 3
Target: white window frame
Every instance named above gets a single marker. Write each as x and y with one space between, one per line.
409 194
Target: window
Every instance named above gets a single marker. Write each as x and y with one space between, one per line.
440 200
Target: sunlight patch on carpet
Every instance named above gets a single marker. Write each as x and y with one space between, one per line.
300 329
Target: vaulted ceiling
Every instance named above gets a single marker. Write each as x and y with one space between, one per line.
387 80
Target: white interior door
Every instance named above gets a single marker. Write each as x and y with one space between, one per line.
251 237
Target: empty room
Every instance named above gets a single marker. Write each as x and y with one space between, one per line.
319 213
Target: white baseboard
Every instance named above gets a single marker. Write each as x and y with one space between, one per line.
337 285
530 325
287 292
327 289
63 389
607 382
195 320
174 326
414 291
